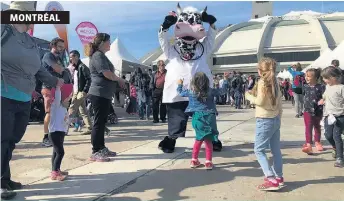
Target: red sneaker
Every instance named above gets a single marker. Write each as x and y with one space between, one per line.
208 165
319 146
195 163
307 148
280 180
56 175
269 186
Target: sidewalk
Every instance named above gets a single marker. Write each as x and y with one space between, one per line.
142 172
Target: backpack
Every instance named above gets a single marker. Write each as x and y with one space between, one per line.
299 81
234 83
5 34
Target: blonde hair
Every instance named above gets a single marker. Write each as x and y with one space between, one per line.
267 69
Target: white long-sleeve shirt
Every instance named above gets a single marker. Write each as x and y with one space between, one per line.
180 69
58 114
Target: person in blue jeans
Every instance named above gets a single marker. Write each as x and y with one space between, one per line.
268 122
237 85
297 87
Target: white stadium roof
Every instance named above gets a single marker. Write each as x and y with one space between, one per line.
298 36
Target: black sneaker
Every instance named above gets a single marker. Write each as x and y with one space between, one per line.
339 163
108 153
12 185
46 142
155 121
99 157
163 121
7 194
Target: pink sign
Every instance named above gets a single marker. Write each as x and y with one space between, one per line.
86 32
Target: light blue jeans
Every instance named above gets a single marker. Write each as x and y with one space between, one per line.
268 136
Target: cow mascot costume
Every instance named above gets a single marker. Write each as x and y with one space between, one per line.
187 56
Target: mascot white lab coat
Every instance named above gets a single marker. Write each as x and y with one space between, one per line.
180 69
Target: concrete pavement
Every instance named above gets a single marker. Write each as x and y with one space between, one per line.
142 172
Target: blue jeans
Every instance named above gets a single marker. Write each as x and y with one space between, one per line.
333 134
141 103
268 135
238 98
148 106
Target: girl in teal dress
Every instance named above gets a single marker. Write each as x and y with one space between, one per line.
203 111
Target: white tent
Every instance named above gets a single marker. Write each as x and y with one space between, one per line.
122 60
338 54
285 75
321 62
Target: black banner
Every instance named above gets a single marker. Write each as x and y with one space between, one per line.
34 17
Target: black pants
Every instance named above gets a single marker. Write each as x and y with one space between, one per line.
177 119
101 107
333 135
14 119
57 139
157 102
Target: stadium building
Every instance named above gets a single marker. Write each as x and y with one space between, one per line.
299 36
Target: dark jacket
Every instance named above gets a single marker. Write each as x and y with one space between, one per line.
84 77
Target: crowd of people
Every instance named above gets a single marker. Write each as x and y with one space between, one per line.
233 86
65 91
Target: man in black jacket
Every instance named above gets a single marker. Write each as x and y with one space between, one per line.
82 83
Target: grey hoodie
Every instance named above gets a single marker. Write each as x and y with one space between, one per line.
21 63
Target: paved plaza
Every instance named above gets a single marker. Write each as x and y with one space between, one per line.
142 172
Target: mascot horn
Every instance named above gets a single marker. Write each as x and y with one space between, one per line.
187 56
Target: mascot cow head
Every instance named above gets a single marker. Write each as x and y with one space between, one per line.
189 26
188 31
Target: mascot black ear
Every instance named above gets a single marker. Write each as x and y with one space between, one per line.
179 9
205 10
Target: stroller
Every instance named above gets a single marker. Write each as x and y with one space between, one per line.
112 117
37 112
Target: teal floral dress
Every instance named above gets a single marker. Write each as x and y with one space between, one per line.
203 114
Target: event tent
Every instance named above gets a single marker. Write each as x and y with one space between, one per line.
122 60
285 75
321 62
327 56
338 54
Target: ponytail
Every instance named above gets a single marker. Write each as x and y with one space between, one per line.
92 47
267 67
89 49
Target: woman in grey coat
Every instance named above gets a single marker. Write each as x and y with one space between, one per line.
20 67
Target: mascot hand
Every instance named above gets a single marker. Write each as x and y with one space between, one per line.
170 20
208 18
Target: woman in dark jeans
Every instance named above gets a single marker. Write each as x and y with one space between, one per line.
101 91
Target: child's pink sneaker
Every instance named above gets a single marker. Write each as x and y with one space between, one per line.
56 175
280 180
195 163
268 185
208 165
319 146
